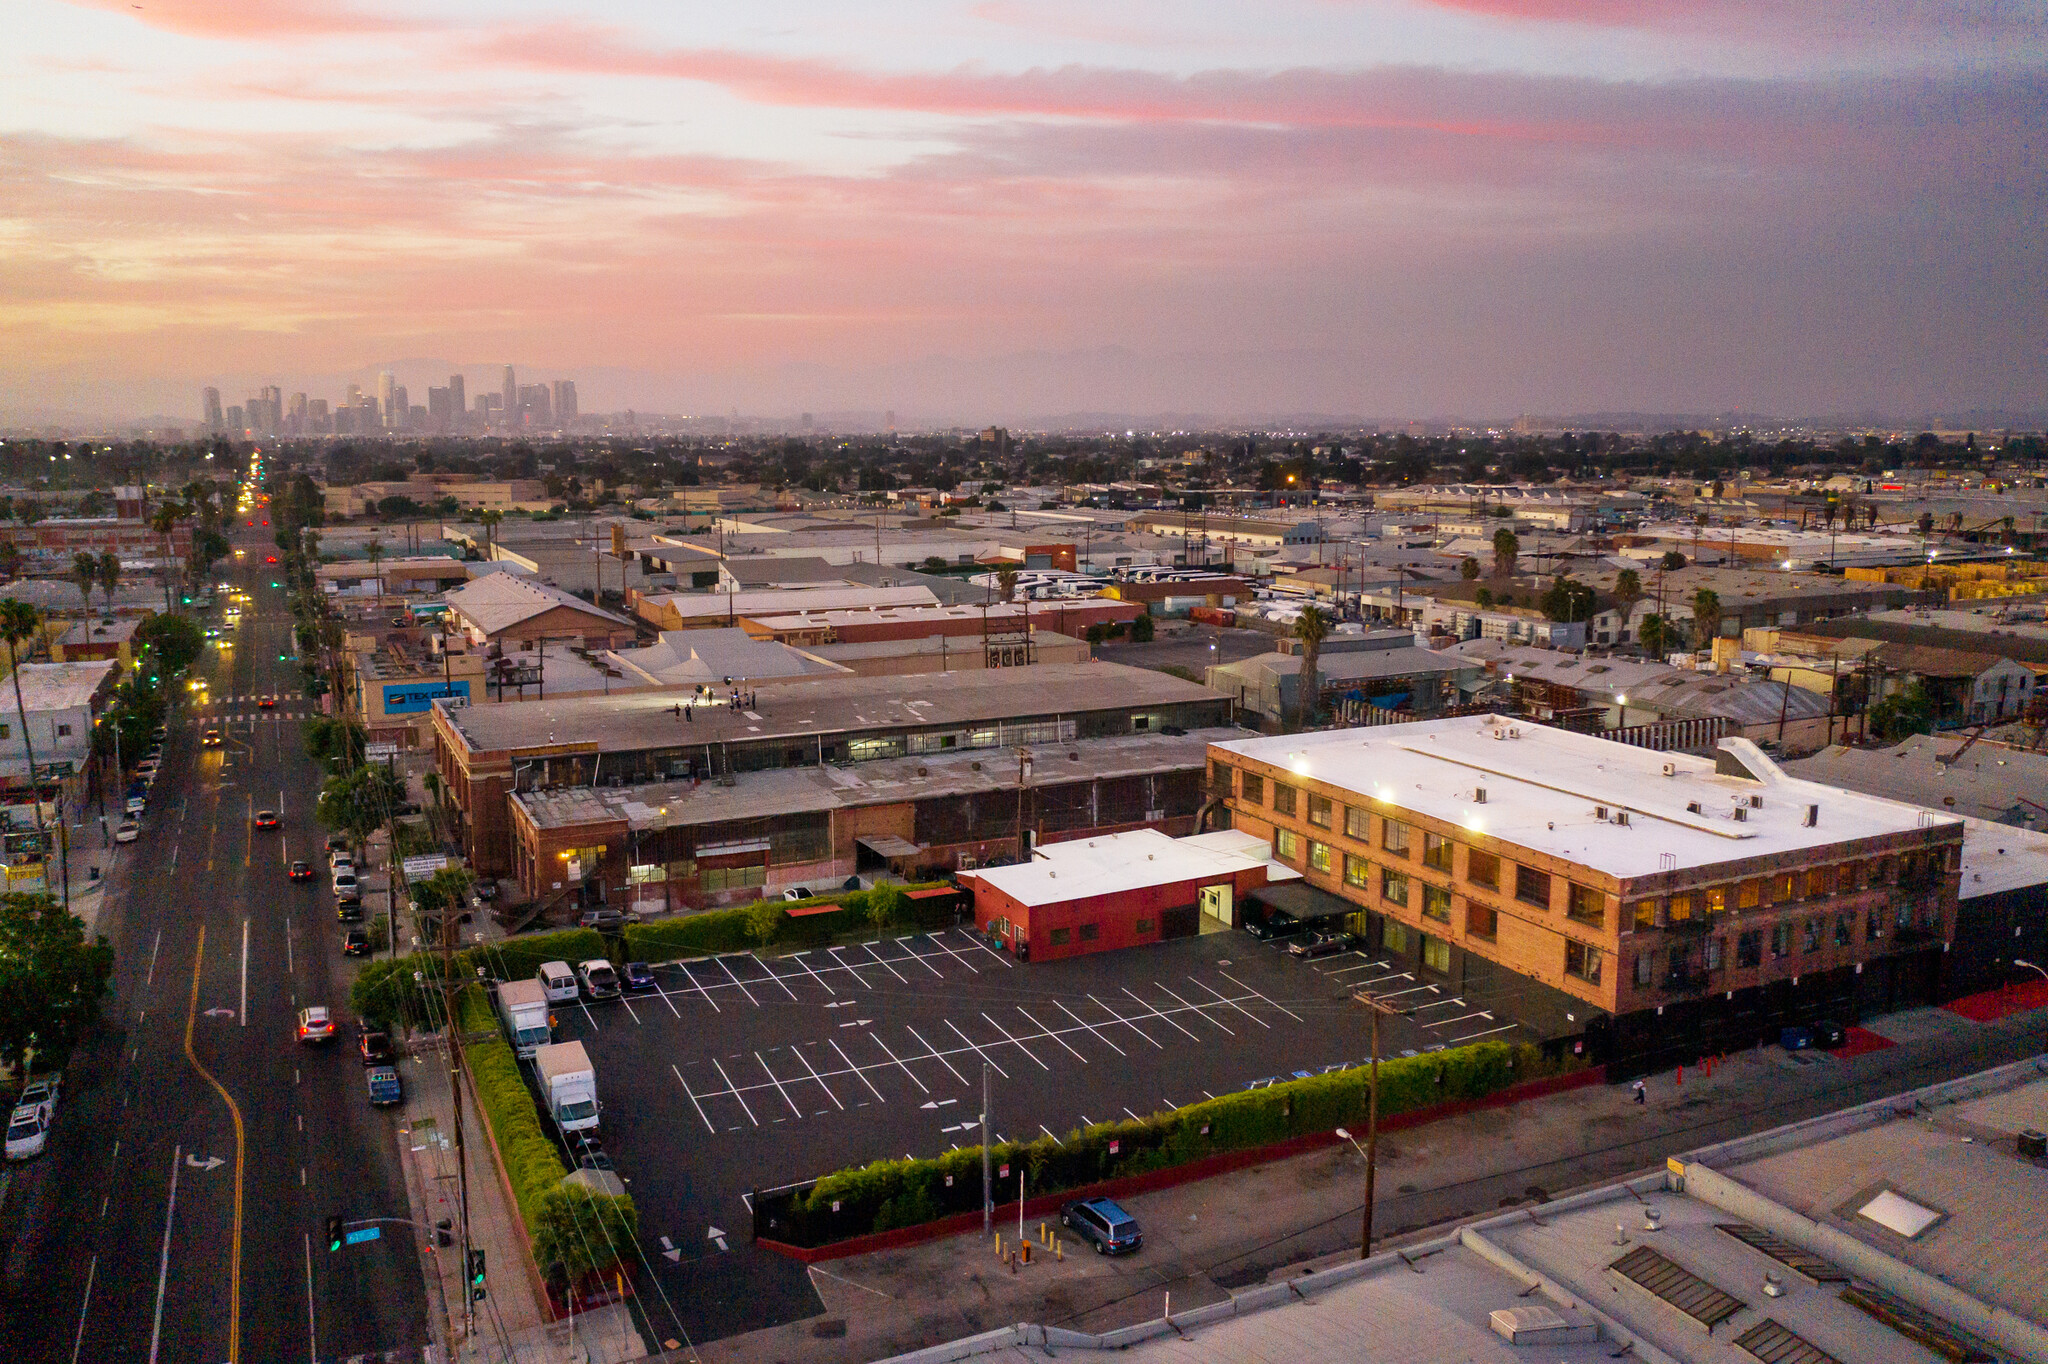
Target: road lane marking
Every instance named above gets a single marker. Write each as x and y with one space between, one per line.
79 1340
235 1247
312 1325
884 961
691 976
150 979
163 1264
847 966
288 946
245 973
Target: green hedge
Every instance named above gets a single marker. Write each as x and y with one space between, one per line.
385 993
533 1163
897 1193
727 930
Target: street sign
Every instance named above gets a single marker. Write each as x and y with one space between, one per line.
380 750
362 1234
420 868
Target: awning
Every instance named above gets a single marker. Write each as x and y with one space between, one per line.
888 845
1304 902
1389 702
808 910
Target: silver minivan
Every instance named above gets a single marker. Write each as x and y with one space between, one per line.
557 981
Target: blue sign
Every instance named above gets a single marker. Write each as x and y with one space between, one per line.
401 698
362 1234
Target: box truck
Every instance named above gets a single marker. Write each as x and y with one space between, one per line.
569 1083
523 1005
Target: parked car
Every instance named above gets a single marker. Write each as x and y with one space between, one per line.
128 831
355 943
385 1087
1274 926
266 819
374 1044
46 1089
28 1130
345 883
337 842
135 805
301 870
340 859
1828 1033
591 1155
598 978
1100 1221
1322 945
603 920
350 910
797 893
639 976
315 1024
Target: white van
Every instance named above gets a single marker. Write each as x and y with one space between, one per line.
558 981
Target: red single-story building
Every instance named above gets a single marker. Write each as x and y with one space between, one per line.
1119 890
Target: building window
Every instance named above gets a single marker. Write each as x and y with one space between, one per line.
1357 824
1436 903
1582 961
1646 968
1357 872
1717 900
1845 930
1681 909
1811 940
1714 954
1393 936
1532 887
1319 811
1394 837
1749 894
1287 845
1781 940
1219 778
1482 869
1873 926
1283 798
1254 789
1062 936
1144 925
63 731
1784 888
1436 954
1643 914
1846 878
1393 887
1090 932
1319 856
1749 948
1436 852
1587 905
6 731
1481 921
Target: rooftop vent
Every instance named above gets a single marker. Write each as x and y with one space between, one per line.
1600 812
1756 802
1742 814
1621 817
1542 1326
1479 798
1670 769
1692 807
1812 816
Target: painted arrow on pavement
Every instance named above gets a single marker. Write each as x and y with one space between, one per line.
211 1163
220 1013
716 1235
668 1249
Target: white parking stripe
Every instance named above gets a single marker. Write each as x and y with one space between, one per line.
778 1085
919 956
985 1057
1250 991
937 1055
885 965
776 977
737 981
732 1090
856 1070
1461 1018
847 967
1158 1015
1125 1021
691 976
798 958
977 942
799 1054
933 939
1201 1009
1488 1033
1014 1042
893 1057
1048 1032
1090 1027
1235 1005
693 1101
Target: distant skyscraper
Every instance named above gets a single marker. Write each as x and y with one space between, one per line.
509 392
296 417
386 396
398 411
318 423
236 422
889 419
535 408
565 400
216 420
458 401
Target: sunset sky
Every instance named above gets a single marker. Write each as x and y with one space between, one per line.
1001 209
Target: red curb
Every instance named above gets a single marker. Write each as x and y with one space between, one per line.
1992 1005
1152 1180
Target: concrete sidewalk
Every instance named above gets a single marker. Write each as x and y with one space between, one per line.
1206 1239
511 1322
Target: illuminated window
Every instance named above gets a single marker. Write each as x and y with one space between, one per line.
1319 811
1582 961
1286 845
1357 824
1784 888
1436 954
1319 855
1717 900
1393 936
1436 852
1749 894
1394 887
1436 903
1357 872
1643 914
1587 905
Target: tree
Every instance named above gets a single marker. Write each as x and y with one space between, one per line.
376 553
1468 568
1706 615
1672 560
887 905
1311 627
1902 714
163 521
175 640
1568 601
51 980
1483 598
577 1233
10 558
1654 636
85 572
443 890
20 622
1505 548
1628 590
1006 584
764 920
360 802
1142 629
109 576
490 517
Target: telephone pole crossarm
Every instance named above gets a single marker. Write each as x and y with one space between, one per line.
1377 1006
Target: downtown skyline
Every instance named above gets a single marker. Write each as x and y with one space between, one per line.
1383 207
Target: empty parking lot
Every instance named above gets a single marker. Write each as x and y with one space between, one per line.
747 1072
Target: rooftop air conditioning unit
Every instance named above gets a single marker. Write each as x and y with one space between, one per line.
1600 812
1670 769
1741 814
1756 802
1479 796
1621 817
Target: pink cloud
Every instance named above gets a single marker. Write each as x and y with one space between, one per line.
1869 22
253 18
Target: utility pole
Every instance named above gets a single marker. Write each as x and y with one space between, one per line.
988 1188
1378 1006
1023 783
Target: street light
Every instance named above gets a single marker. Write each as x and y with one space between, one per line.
2017 961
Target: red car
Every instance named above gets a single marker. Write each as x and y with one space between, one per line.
270 559
266 819
267 703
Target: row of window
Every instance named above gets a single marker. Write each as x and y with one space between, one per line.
1791 887
1807 935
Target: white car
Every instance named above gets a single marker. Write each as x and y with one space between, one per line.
28 1130
128 831
136 805
340 859
345 883
48 1089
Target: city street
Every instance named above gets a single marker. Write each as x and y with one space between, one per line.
178 1213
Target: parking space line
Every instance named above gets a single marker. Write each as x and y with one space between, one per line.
1248 989
1158 1015
1510 1027
885 965
847 966
1198 1008
670 1002
629 1009
691 976
1014 1042
893 1057
1048 1032
727 968
798 1053
778 1085
986 1059
920 959
1461 1018
776 976
936 1053
1412 990
1091 1028
588 1016
1347 970
858 1072
693 1101
798 958
1440 1003
1235 1005
733 1089
933 939
1391 975
1125 1021
977 942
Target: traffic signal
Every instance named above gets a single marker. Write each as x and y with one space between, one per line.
476 1276
333 1232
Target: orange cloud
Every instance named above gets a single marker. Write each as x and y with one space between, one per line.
254 18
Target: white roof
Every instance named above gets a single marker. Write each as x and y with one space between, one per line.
684 657
1114 864
2001 857
1543 786
499 601
62 686
790 601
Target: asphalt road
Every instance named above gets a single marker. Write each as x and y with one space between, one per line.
178 1214
1196 649
750 1072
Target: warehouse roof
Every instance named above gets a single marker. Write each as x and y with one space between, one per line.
499 601
688 657
1990 781
823 706
1117 864
62 686
1543 789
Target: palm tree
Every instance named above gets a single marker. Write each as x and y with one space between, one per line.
1706 615
19 622
163 521
490 517
1311 627
109 576
10 558
1505 548
85 571
376 553
1628 590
